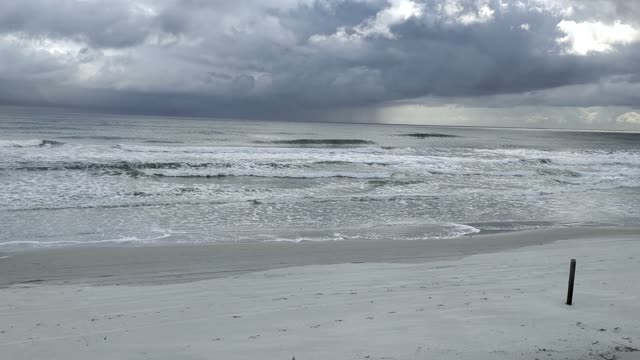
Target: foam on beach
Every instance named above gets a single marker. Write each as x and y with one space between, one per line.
50 244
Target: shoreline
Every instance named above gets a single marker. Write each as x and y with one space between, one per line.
180 263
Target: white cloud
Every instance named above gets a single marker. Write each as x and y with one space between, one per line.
452 8
465 13
398 12
586 37
53 47
563 8
484 14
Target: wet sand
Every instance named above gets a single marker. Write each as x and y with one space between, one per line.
167 264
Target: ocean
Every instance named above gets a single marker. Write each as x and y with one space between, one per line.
72 178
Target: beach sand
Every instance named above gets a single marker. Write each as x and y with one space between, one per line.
494 296
167 264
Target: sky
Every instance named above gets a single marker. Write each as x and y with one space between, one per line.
530 63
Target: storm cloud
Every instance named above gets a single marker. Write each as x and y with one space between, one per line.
320 59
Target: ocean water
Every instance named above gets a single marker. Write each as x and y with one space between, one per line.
69 178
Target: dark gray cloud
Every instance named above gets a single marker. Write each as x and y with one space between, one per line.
114 23
302 58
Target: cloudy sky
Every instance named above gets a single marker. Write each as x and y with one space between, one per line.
536 63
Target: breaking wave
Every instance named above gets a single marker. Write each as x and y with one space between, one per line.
212 169
429 135
29 143
334 142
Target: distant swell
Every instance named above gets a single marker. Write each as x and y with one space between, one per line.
119 168
103 137
390 182
50 143
119 206
323 142
559 172
429 135
252 175
536 161
130 167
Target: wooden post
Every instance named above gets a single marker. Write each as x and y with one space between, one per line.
572 276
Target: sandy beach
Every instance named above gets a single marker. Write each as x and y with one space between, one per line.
494 296
319 180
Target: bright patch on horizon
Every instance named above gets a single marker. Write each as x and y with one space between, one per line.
587 37
632 118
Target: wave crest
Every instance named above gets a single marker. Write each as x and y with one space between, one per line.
429 135
29 143
334 142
